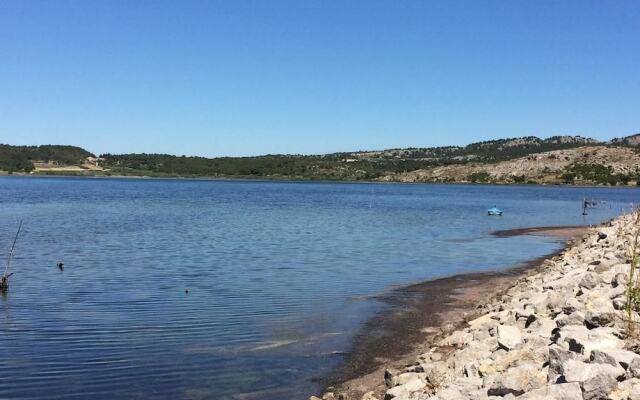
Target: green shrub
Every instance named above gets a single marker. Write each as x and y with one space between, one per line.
479 177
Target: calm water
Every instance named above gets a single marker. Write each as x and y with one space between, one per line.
277 276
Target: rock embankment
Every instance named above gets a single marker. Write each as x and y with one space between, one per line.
560 333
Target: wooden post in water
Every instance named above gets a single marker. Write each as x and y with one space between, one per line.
4 281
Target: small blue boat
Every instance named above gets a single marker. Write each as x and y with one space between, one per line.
494 211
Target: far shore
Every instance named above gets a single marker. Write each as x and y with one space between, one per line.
243 178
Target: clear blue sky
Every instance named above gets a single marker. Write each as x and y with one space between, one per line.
254 77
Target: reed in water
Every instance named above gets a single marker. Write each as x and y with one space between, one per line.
4 281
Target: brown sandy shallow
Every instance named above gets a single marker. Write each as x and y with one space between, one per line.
566 231
418 314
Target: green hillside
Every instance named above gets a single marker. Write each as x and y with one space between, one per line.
20 158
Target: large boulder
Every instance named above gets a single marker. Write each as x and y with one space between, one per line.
599 311
518 380
582 340
627 390
405 390
634 367
575 318
589 281
615 357
457 339
596 380
509 337
542 327
402 379
620 279
483 321
564 391
572 305
557 357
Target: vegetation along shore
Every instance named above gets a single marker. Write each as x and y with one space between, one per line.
567 329
556 160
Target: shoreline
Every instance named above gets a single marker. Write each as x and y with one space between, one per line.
563 330
420 313
304 180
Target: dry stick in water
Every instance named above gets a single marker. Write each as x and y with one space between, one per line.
5 278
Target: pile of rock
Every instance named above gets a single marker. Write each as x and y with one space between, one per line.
560 333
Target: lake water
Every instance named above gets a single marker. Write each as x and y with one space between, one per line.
278 275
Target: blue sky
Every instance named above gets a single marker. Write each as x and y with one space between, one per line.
255 77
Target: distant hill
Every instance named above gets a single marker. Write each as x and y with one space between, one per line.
587 165
339 166
633 140
21 158
558 159
487 151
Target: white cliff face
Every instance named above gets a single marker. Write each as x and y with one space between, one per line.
559 333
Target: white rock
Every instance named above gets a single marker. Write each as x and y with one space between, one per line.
619 279
590 280
596 380
627 390
487 319
402 379
563 391
557 357
404 391
572 305
634 367
448 393
369 396
614 357
583 341
509 337
457 338
518 380
575 318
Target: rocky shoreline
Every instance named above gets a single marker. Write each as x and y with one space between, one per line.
558 333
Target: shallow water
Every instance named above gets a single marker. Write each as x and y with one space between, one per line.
279 275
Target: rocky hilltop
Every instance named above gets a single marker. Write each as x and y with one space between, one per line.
633 140
580 165
563 332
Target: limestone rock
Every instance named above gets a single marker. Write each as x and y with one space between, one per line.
634 367
599 311
518 380
583 341
589 281
627 390
369 396
615 357
563 391
572 305
575 318
557 357
596 380
402 379
509 337
405 390
620 279
388 376
457 338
